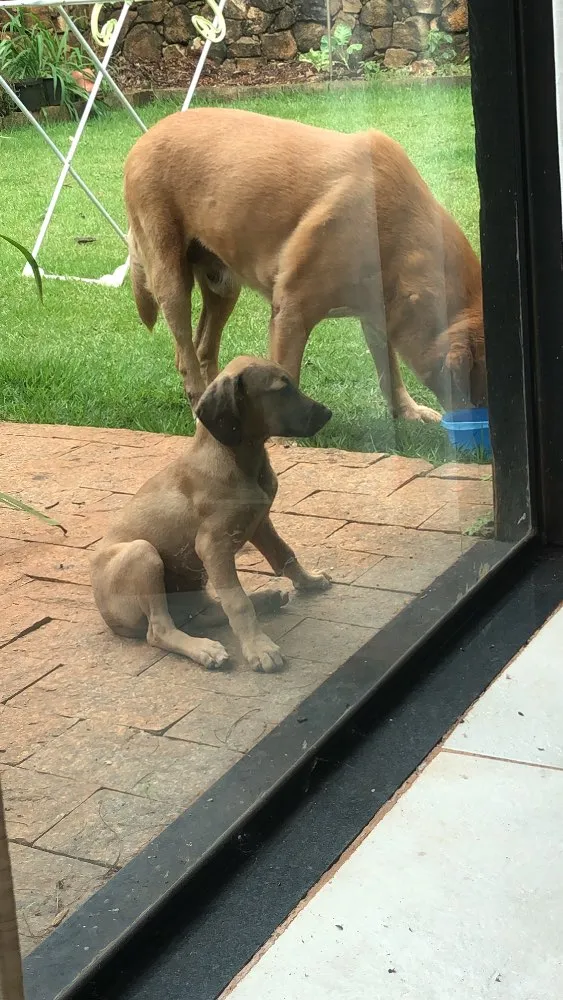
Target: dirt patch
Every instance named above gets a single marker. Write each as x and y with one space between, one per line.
178 73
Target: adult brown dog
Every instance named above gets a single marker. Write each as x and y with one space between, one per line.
322 224
186 524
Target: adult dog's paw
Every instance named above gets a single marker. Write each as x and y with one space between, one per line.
423 414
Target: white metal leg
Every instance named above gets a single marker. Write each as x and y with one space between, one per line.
204 52
6 86
77 136
101 66
210 31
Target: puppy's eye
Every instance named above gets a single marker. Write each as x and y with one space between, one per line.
281 385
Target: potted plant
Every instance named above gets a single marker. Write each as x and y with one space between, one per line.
41 66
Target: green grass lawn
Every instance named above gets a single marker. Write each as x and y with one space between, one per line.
84 358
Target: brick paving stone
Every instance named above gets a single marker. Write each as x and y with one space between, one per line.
389 540
60 591
221 721
22 732
325 641
369 510
118 468
125 760
54 499
19 616
81 530
35 802
398 469
378 480
112 502
19 670
441 491
141 702
344 566
48 887
295 678
461 470
7 545
110 828
456 517
298 530
275 625
27 943
44 644
67 612
80 435
404 573
35 447
327 456
10 574
241 722
53 562
351 605
72 667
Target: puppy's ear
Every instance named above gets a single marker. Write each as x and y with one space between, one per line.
219 410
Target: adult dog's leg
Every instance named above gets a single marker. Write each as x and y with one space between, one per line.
283 560
218 304
386 360
128 584
172 282
217 556
288 335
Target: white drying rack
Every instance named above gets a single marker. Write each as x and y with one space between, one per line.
211 32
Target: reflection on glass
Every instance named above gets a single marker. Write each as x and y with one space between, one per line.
147 647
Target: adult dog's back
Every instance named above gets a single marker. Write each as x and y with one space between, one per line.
321 223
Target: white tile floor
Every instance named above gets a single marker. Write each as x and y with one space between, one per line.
457 892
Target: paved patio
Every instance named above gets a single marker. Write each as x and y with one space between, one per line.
104 741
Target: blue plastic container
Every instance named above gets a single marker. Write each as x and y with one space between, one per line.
469 429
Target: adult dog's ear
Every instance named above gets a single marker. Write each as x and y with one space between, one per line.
219 410
458 364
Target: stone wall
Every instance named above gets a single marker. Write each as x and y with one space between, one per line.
392 31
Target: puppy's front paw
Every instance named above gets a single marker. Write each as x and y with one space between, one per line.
313 582
210 654
262 654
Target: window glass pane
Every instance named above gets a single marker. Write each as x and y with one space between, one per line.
319 201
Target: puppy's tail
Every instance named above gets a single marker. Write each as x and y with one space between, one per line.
147 306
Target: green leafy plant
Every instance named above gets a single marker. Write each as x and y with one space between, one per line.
344 52
372 69
439 47
6 500
31 50
30 260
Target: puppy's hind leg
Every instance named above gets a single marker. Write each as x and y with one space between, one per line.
128 582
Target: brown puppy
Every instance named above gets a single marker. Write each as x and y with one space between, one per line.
186 524
322 224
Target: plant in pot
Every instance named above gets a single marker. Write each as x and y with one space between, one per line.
41 65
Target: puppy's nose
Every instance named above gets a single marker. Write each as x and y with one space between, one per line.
319 417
